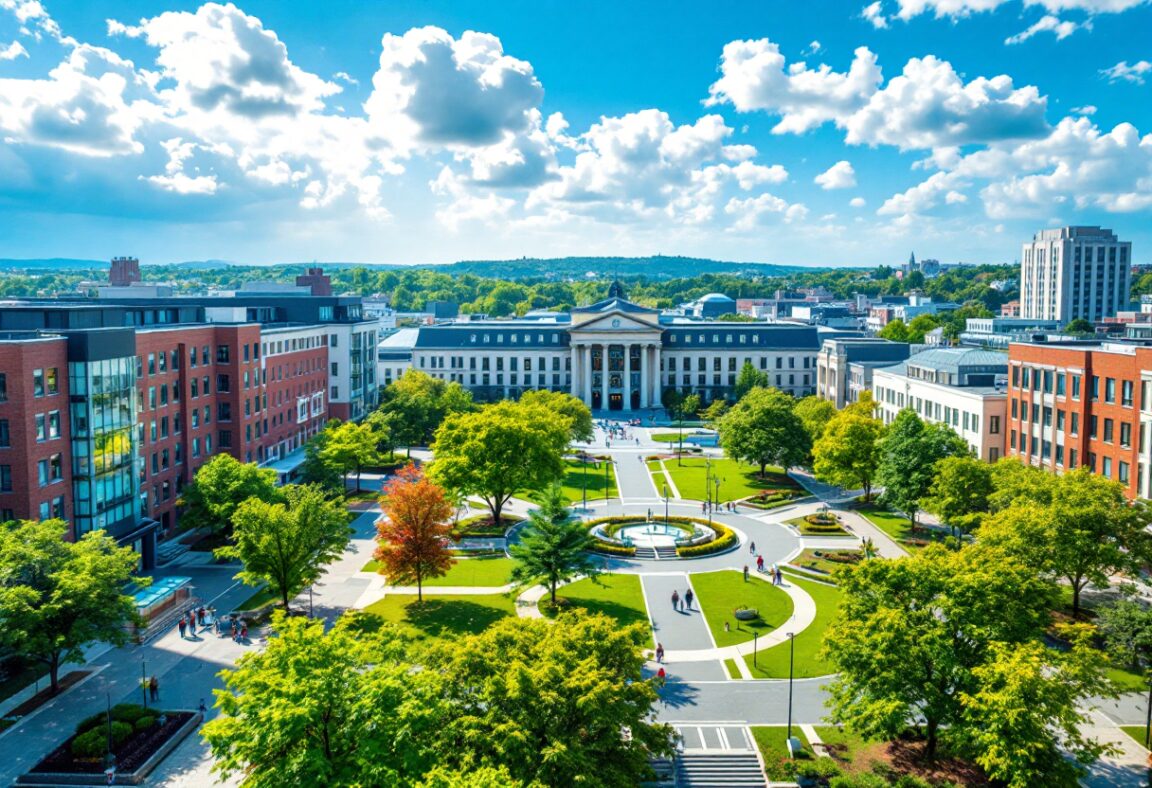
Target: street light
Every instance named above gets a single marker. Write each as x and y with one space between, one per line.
584 479
716 480
144 682
791 663
606 464
666 514
708 482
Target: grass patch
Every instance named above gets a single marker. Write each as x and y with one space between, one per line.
855 755
616 596
772 663
718 593
731 669
825 561
899 528
352 496
1128 680
738 480
371 566
491 571
772 741
1137 732
674 437
443 617
576 475
262 597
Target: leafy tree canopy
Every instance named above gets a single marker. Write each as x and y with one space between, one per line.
220 486
762 429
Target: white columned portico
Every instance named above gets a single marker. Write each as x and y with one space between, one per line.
645 371
574 387
657 377
586 352
604 364
627 403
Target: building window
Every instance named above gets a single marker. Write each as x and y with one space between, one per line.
54 424
1126 393
222 354
6 479
1122 474
41 428
994 425
1110 389
1095 388
1075 386
1125 434
38 382
5 436
1107 430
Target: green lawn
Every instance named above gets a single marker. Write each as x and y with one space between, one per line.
371 566
731 669
898 527
1137 732
809 560
443 616
261 597
737 480
673 437
489 571
772 741
772 663
1128 680
617 596
718 593
574 479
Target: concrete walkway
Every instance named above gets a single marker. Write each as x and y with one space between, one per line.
680 630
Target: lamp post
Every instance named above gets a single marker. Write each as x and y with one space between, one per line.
716 498
310 602
791 663
708 482
606 464
665 504
144 682
584 479
110 761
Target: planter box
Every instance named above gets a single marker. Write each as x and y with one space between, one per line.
746 615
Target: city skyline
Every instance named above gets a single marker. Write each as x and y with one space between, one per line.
837 134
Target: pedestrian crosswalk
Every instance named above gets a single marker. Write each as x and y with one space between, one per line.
714 737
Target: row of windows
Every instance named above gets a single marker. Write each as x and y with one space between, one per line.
932 410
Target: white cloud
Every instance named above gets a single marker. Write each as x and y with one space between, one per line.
813 48
857 202
874 13
222 59
13 51
840 175
754 77
963 8
1087 109
346 78
930 106
1122 72
1048 24
434 90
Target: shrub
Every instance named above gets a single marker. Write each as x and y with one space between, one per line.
823 528
121 712
481 525
94 743
613 549
821 519
725 538
145 722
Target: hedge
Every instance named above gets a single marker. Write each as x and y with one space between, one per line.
122 712
481 525
613 549
94 743
725 538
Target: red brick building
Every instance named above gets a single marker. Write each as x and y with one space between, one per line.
1080 403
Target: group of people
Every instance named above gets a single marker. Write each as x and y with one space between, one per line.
204 618
727 506
682 602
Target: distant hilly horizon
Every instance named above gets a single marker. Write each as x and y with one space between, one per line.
657 266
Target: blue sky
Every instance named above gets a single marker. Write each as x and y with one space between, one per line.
825 133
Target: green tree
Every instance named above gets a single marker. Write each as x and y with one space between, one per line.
748 379
848 455
553 546
1024 712
57 596
909 635
414 406
220 486
920 326
895 330
1087 533
500 450
338 708
815 413
909 454
350 446
715 411
315 469
1127 628
557 695
959 494
688 404
763 428
1016 482
287 545
567 406
1080 326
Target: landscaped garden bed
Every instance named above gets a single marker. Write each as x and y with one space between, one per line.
827 561
717 537
482 526
819 524
773 499
138 734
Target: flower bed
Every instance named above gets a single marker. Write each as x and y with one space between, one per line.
772 499
724 538
137 735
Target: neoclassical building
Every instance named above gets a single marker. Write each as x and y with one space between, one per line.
614 355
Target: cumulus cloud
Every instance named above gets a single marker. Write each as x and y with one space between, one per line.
874 13
813 48
754 77
13 51
840 175
963 8
857 202
432 89
1087 109
1048 24
1122 72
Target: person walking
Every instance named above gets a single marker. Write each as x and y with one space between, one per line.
675 600
661 678
779 576
153 688
659 652
688 597
760 564
183 625
745 573
751 548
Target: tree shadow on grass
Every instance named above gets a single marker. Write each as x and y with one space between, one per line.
438 617
622 613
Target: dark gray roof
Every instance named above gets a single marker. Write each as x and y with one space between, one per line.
614 305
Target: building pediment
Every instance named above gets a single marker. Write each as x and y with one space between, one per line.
615 321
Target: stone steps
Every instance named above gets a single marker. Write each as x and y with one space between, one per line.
720 770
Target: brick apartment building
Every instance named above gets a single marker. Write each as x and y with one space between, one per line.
1082 403
108 410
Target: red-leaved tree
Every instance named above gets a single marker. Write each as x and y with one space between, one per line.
413 535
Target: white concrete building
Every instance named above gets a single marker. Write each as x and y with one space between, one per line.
1075 272
965 388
